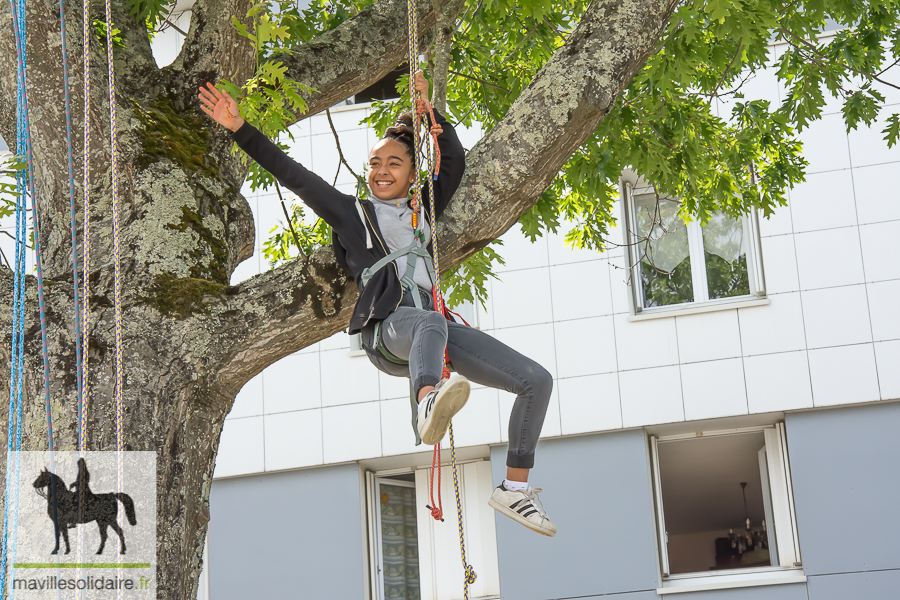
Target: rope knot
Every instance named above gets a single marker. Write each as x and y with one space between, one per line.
470 575
436 512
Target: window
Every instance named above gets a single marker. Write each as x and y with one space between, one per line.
412 556
397 553
674 263
724 508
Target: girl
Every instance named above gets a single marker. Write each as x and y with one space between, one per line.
397 296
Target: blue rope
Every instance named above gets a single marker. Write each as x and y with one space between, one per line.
24 183
16 358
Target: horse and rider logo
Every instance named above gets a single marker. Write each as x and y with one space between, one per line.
76 504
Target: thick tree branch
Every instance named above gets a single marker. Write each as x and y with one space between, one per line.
297 304
361 51
338 63
7 77
277 313
212 50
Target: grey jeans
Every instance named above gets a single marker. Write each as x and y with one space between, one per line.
420 335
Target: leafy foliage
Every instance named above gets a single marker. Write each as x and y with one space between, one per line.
282 246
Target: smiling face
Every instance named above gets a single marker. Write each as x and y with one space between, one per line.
390 170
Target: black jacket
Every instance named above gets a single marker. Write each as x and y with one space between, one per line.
382 294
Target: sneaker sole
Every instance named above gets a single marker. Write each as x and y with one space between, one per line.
451 402
506 511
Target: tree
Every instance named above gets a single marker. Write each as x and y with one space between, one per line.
580 100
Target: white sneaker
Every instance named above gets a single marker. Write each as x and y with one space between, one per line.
521 507
444 401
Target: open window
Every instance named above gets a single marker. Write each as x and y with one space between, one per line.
414 557
675 265
724 509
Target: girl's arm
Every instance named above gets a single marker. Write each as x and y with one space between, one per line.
335 208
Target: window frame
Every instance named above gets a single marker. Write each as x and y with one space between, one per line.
785 540
701 302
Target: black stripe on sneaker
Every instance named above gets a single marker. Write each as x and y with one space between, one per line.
528 514
514 504
524 508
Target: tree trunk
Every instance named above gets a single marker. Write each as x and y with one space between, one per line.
190 340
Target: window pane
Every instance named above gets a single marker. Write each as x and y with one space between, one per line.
399 542
703 503
664 251
725 246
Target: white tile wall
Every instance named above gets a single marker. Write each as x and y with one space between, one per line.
347 379
843 375
249 401
397 436
520 253
585 347
293 439
241 448
868 146
887 357
778 382
776 327
883 309
392 387
522 298
351 432
580 290
714 389
825 144
651 396
829 258
642 344
836 316
293 383
619 284
479 420
780 264
777 223
708 336
589 403
824 201
246 269
880 250
877 193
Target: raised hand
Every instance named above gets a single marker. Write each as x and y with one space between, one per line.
220 106
421 84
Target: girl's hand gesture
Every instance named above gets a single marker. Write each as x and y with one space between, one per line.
421 84
221 107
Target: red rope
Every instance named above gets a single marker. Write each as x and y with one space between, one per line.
437 509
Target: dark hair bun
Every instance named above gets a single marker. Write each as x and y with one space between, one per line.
403 132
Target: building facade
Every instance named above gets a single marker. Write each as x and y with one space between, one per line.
723 423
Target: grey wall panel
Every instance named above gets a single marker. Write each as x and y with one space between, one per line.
287 535
844 465
872 585
597 491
